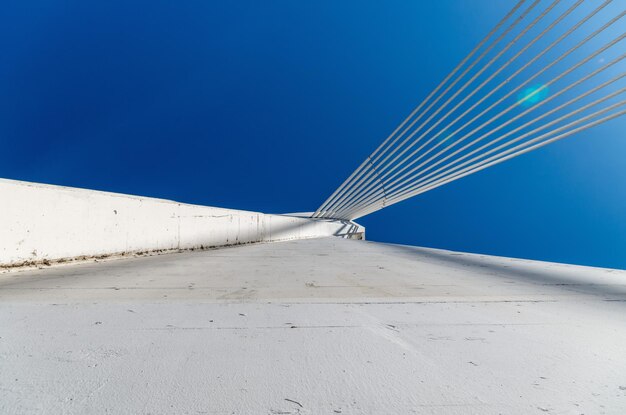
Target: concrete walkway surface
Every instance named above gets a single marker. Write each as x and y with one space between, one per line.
324 326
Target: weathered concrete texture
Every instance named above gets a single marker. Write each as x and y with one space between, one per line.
43 223
323 326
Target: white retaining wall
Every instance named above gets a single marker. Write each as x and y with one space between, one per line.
40 223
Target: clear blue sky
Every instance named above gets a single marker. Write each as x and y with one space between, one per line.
269 105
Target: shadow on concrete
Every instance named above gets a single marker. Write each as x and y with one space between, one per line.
580 279
350 230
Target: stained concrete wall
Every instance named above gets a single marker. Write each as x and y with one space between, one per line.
41 223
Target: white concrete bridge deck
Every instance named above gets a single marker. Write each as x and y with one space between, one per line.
325 326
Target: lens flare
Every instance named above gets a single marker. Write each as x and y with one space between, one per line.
532 95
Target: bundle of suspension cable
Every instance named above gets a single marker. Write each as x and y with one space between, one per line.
546 71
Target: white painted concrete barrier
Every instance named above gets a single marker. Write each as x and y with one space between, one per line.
43 223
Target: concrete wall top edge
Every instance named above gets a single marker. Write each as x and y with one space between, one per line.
85 191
